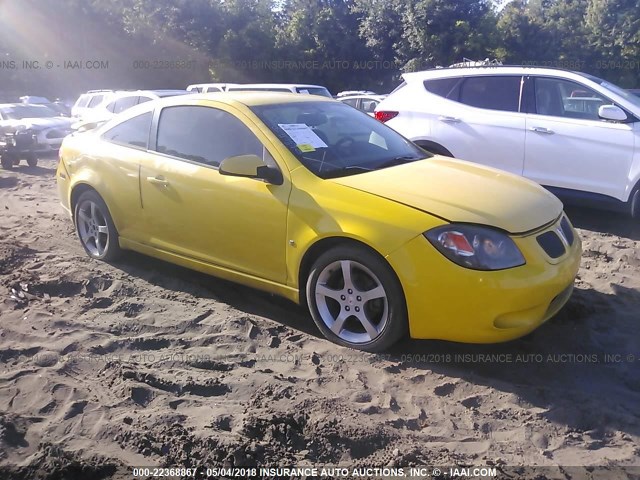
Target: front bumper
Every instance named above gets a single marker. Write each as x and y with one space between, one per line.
449 302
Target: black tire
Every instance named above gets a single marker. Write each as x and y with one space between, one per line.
635 204
32 160
368 272
435 149
6 161
95 227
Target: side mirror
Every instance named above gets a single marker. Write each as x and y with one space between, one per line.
612 112
250 166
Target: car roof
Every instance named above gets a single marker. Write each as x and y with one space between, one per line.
277 85
158 93
374 96
167 92
209 84
251 99
486 70
352 93
20 104
237 99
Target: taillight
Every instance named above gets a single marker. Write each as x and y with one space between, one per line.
384 116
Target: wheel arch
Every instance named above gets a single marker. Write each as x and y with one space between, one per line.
634 201
325 244
433 147
77 190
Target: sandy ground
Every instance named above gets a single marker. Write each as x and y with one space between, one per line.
143 363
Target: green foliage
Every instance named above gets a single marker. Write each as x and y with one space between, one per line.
343 44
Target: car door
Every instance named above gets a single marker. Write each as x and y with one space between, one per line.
122 148
567 144
194 211
483 122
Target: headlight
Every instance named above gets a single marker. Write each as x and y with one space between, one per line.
478 248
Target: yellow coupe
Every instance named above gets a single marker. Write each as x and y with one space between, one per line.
311 199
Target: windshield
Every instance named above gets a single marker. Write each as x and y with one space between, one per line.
323 92
19 112
334 140
627 95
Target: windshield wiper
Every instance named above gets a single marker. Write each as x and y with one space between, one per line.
399 161
348 170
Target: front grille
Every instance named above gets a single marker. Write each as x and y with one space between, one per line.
551 244
567 230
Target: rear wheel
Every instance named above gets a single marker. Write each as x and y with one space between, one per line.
32 160
356 300
95 227
6 161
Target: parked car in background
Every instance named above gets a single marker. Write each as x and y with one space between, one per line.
89 100
574 133
30 131
364 103
62 108
120 101
307 198
35 100
208 87
280 87
351 93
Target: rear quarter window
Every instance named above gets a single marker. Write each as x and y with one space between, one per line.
492 92
133 132
95 101
82 101
444 87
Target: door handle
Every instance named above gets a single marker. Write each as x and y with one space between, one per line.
446 119
542 130
159 180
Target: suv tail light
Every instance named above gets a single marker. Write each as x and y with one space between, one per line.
385 116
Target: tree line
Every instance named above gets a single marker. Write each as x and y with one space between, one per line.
342 44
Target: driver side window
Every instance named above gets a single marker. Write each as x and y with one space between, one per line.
204 135
563 98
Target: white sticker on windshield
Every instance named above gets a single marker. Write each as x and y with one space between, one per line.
302 134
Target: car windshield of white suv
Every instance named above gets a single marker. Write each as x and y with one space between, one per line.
323 92
19 112
630 97
335 140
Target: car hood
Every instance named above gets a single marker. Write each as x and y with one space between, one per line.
460 191
37 123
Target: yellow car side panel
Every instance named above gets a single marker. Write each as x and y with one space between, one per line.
215 270
320 209
113 174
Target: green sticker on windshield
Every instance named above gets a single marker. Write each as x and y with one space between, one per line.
305 147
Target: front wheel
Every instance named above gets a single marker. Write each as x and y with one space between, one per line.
95 227
356 300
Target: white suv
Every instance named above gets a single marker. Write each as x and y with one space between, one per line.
574 133
123 100
89 100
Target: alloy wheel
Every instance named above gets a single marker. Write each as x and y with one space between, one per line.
351 301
